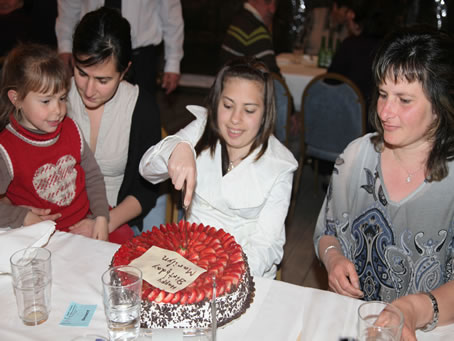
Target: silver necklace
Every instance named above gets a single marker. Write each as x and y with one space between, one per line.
230 167
409 174
232 164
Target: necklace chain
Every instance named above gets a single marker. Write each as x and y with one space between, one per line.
232 164
409 174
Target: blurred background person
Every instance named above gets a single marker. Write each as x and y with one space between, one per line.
329 21
151 23
369 23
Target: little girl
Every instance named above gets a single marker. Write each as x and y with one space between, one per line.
46 169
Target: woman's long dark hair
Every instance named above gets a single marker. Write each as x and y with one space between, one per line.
421 54
242 68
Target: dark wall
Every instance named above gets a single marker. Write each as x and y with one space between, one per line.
205 23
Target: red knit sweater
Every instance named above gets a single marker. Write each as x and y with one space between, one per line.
46 170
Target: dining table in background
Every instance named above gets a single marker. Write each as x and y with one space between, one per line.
279 311
298 74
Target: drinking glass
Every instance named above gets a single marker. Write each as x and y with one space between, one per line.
379 321
122 287
32 280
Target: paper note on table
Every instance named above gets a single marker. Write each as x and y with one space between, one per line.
78 315
167 270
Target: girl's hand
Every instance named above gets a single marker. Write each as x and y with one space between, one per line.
182 168
342 276
92 228
37 215
101 229
31 218
85 227
44 213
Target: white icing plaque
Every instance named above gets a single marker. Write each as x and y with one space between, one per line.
167 270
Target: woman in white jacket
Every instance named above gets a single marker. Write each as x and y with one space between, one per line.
237 175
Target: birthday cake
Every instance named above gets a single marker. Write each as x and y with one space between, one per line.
214 250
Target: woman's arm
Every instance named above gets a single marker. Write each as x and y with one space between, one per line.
340 198
418 310
342 276
164 159
125 211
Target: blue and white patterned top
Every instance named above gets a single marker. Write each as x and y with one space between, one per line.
398 248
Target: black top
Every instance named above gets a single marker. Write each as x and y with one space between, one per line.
145 132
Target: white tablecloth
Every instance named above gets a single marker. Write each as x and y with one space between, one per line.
297 76
280 311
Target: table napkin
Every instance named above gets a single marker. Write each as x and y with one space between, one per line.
12 240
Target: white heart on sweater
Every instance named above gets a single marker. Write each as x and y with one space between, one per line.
57 183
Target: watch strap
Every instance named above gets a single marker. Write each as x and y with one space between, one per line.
433 323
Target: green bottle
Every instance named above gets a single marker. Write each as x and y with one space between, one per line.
329 52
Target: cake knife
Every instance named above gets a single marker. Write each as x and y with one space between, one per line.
214 321
185 209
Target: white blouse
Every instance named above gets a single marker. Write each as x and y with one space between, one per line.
113 136
250 202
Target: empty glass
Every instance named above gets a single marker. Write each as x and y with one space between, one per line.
32 280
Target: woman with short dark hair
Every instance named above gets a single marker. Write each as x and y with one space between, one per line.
120 121
386 228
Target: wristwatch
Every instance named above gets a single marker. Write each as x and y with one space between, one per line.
432 324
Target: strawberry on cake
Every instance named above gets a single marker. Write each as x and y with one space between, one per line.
207 247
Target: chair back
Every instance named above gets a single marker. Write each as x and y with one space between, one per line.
333 114
287 103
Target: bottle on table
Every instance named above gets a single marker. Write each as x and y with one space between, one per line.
329 52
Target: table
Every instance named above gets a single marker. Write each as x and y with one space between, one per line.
297 76
280 311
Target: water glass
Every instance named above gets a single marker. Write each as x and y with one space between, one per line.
379 321
122 287
32 281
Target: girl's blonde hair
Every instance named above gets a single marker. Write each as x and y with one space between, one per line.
30 67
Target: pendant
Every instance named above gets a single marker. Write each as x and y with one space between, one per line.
408 179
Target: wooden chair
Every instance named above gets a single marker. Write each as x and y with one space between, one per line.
333 113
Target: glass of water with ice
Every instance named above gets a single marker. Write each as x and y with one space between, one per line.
122 287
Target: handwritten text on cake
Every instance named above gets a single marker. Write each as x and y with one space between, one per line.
167 270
